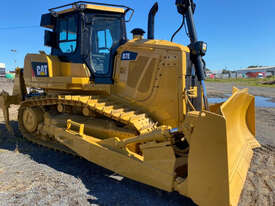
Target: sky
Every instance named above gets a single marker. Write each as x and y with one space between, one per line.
239 33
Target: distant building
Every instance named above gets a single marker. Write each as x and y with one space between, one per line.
210 75
258 72
2 70
255 74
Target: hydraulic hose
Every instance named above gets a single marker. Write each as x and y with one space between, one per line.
185 7
173 36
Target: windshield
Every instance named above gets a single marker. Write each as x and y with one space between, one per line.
105 35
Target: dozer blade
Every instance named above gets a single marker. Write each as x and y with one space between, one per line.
220 151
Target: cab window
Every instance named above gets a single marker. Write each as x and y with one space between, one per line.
68 35
106 33
105 41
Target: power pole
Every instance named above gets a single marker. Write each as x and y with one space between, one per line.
14 51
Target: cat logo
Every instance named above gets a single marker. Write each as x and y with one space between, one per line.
40 69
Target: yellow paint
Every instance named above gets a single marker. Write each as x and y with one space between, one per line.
155 81
81 127
82 81
105 8
241 139
66 11
95 7
220 151
193 92
155 169
62 75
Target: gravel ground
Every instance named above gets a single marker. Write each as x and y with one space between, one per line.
33 175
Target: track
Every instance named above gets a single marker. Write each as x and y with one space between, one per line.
51 143
92 104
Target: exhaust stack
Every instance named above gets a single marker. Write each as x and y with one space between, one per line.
151 21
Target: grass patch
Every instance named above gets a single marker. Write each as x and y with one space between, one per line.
246 81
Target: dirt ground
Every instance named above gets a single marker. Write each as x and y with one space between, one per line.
219 89
33 175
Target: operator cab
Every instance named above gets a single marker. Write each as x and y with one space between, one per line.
87 33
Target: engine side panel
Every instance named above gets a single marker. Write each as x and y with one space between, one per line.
151 74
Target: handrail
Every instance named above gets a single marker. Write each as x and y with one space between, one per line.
79 3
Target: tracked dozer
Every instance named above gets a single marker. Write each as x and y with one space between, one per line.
137 107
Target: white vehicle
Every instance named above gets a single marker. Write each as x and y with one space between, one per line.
260 75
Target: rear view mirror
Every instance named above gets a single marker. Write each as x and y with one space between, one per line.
50 39
48 21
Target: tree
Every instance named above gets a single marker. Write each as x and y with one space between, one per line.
225 71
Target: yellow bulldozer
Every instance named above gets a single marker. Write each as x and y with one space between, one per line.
137 107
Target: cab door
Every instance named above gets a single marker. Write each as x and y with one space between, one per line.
105 37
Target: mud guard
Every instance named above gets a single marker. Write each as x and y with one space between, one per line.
220 151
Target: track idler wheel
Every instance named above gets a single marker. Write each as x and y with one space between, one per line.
31 117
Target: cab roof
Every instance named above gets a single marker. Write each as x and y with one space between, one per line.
94 7
48 20
90 6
